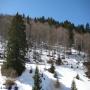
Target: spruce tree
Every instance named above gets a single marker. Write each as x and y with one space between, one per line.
77 77
87 26
59 61
28 20
16 47
70 26
37 80
73 87
52 68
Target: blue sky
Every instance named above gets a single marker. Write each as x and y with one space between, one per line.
76 11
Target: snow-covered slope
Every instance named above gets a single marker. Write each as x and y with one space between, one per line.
65 73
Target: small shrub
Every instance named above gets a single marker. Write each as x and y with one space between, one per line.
52 68
30 71
77 66
77 77
59 61
71 66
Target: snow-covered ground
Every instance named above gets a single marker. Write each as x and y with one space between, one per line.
66 74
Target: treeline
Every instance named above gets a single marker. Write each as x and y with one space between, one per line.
66 24
50 32
5 20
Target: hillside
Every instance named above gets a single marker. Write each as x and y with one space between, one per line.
72 65
61 51
50 32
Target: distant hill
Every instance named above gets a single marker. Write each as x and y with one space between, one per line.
49 31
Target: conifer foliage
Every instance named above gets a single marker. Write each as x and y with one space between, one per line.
77 77
73 87
52 68
59 61
16 47
37 80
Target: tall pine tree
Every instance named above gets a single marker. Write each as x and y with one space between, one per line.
37 80
16 47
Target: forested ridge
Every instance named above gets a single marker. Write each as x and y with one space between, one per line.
50 31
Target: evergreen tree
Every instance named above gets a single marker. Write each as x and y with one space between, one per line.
52 68
59 61
80 28
23 15
42 19
70 26
28 20
73 87
88 27
37 80
16 46
79 48
35 19
77 77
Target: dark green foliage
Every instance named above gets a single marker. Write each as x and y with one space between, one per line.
16 46
87 27
52 68
70 26
80 29
77 77
28 20
50 21
23 15
42 19
59 61
37 80
73 86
